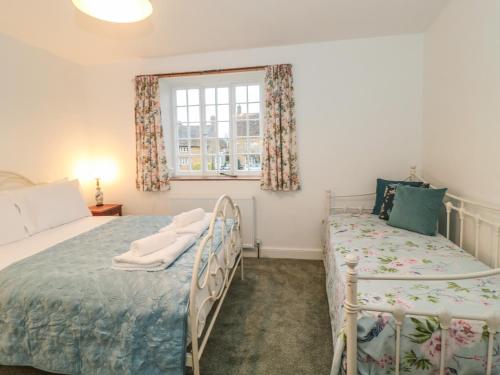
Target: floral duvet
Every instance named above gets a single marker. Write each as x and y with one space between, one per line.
383 249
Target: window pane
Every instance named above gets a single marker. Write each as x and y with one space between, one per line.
182 130
241 109
193 97
196 163
212 145
242 162
254 108
223 131
241 129
254 145
211 130
183 146
241 94
224 146
182 114
194 114
241 145
194 130
254 93
180 97
184 164
223 112
222 95
210 96
211 163
253 162
225 165
254 128
210 114
195 147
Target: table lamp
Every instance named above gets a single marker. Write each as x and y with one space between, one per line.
99 196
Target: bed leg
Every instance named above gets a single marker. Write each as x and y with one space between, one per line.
351 308
241 265
195 357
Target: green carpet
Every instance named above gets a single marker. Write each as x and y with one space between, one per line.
275 322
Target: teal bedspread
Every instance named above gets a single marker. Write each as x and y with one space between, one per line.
65 310
383 249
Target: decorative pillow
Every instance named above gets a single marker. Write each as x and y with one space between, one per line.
11 222
382 184
47 206
417 209
388 202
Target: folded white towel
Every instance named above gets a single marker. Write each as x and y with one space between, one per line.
156 261
188 217
196 228
150 244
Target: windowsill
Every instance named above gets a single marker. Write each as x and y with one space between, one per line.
215 178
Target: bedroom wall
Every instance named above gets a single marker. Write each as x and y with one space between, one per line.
461 128
42 103
359 116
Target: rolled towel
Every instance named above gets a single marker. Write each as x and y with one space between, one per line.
156 261
196 228
150 244
188 217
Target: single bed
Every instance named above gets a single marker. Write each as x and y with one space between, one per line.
396 296
64 310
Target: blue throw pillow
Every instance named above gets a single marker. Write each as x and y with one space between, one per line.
381 185
417 209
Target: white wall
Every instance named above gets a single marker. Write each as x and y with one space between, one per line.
462 99
359 115
42 104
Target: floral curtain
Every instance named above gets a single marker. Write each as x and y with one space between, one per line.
152 172
279 156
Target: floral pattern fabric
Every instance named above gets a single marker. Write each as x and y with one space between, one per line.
279 157
383 249
152 172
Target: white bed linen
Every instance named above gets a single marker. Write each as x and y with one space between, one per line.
16 251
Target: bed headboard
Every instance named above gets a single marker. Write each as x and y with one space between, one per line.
11 180
472 225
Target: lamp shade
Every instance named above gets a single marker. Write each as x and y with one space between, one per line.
119 11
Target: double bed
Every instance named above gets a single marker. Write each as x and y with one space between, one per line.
64 310
406 303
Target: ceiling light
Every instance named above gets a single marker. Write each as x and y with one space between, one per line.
120 11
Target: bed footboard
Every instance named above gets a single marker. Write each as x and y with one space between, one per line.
217 276
353 308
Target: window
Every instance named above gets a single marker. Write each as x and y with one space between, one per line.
216 126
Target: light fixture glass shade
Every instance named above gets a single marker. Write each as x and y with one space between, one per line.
119 11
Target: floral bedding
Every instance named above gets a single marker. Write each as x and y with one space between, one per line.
383 249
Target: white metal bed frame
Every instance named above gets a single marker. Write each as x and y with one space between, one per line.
216 277
463 207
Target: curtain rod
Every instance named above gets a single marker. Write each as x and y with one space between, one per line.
213 71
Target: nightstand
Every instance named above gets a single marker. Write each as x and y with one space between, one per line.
106 210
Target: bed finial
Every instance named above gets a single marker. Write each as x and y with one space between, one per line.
351 308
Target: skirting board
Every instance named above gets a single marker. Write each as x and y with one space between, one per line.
284 253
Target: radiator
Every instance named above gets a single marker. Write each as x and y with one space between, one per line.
178 204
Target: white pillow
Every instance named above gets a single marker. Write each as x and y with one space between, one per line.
11 222
47 206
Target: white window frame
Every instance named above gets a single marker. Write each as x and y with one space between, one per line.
201 83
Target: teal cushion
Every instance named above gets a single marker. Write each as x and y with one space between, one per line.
417 209
381 185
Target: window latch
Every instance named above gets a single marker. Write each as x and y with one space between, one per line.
227 174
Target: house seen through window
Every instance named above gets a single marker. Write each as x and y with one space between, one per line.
215 125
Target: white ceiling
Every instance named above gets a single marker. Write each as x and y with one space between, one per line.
189 26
